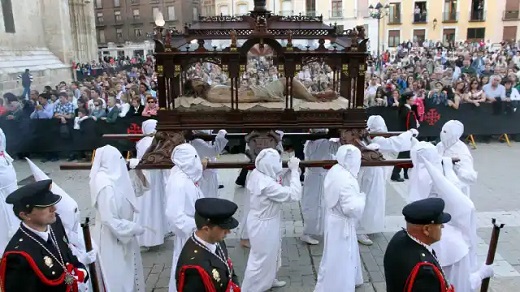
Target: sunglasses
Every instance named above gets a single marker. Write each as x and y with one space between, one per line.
151 101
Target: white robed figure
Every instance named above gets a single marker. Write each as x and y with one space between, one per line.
265 216
70 216
210 150
115 233
340 267
456 251
372 180
9 223
151 203
182 191
313 205
452 146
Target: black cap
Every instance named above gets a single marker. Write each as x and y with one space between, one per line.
37 194
217 212
427 211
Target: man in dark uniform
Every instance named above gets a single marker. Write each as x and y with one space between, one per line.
410 262
38 257
204 264
407 121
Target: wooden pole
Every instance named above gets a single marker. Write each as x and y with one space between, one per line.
404 163
493 244
88 245
210 137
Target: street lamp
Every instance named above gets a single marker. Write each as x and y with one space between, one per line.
378 12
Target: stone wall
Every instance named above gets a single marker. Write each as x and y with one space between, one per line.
42 78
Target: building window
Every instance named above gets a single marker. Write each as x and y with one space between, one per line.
99 17
117 15
195 13
242 9
512 10
448 35
138 32
155 12
134 2
419 36
394 38
99 4
101 36
117 3
394 16
286 8
7 12
171 12
419 12
477 10
119 33
336 9
476 33
509 34
450 10
224 10
136 14
310 7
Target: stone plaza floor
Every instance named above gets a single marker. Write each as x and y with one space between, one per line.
496 195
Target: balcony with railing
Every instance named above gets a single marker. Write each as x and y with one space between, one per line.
394 18
286 12
511 15
420 17
450 17
312 13
477 16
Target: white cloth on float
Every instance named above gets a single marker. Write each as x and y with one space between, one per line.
115 233
372 180
313 205
264 219
151 203
9 223
209 182
182 191
340 267
456 251
70 216
452 146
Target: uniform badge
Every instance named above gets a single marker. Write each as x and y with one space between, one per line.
48 261
216 275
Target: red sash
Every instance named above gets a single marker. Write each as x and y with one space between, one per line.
411 278
206 280
60 281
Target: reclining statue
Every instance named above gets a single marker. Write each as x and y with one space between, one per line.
273 91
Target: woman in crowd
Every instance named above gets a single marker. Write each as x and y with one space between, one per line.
475 94
151 107
136 109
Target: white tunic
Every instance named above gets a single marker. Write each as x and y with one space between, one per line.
181 195
264 220
9 223
340 267
372 182
151 203
313 207
209 182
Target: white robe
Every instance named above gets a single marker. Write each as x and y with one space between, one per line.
372 182
313 207
264 222
115 235
464 168
9 223
180 210
209 182
340 267
151 203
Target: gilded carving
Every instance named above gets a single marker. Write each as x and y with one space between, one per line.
356 137
162 146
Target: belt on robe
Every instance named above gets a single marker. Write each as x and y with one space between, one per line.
348 223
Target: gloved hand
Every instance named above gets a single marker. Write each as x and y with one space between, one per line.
279 132
486 271
222 133
294 163
372 146
138 230
415 133
90 257
133 163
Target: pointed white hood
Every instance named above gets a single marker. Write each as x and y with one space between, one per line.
268 167
451 133
376 124
187 161
149 126
420 181
109 168
142 145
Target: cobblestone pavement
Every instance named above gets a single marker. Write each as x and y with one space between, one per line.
495 195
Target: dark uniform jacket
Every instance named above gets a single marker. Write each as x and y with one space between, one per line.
407 119
401 256
41 273
194 255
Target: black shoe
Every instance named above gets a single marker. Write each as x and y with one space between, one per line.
405 175
220 187
397 179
